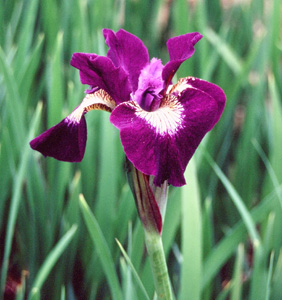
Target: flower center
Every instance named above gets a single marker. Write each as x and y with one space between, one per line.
167 119
150 85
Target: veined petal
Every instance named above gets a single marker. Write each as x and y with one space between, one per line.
179 48
162 142
213 90
99 71
99 100
128 52
66 141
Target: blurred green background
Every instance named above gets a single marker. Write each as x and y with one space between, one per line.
222 232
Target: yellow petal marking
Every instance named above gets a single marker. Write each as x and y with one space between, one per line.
99 100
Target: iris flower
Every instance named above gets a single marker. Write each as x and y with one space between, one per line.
161 124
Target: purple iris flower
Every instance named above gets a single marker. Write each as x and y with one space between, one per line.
161 124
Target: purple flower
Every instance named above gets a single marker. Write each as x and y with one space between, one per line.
161 124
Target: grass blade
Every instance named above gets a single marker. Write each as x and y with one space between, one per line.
50 262
138 280
102 248
226 247
236 290
277 278
16 196
225 51
191 237
237 200
269 277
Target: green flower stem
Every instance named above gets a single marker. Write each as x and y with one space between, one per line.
158 264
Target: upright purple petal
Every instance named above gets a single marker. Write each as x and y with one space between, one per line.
162 142
150 85
99 71
128 52
179 48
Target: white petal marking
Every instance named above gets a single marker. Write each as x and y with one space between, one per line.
167 119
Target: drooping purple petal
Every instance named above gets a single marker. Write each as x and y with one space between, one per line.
99 71
213 90
179 48
65 141
162 142
128 52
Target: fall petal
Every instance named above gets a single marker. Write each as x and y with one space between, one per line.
66 141
162 142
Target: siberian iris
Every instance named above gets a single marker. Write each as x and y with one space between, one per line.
161 124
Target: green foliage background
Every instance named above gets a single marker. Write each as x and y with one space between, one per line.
223 231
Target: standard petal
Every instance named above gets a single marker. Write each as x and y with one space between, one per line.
150 85
99 71
128 52
66 141
162 142
179 48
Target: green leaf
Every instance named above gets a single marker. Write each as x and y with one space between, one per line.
277 278
269 277
137 278
102 249
226 247
226 52
50 261
237 200
17 195
237 280
191 235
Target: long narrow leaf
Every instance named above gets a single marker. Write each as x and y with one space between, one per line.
138 280
102 248
237 200
191 272
16 196
50 261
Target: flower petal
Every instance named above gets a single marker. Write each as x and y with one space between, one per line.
66 141
179 48
150 85
99 71
162 142
213 90
127 51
